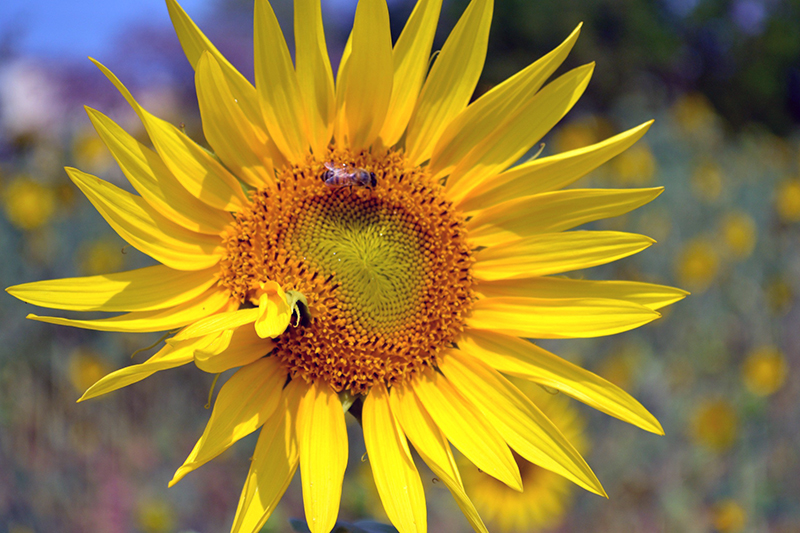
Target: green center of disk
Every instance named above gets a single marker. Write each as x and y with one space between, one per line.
373 251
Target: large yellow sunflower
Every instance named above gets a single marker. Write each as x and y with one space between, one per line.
365 245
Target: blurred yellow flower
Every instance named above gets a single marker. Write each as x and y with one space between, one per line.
728 516
707 181
155 516
715 425
101 256
28 203
85 368
657 222
635 166
89 151
65 194
787 200
575 135
546 497
764 371
697 264
739 234
622 364
694 113
772 152
779 295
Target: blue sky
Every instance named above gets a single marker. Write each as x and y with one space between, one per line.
79 28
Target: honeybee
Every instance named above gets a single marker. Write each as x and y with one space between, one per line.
341 175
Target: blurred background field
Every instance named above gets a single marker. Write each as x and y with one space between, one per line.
719 370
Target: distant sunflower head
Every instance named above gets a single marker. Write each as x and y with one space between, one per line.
546 497
365 243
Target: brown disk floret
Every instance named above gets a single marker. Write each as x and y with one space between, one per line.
385 269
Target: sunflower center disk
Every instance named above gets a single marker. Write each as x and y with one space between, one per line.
373 252
386 270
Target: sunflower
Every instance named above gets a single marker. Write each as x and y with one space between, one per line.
366 245
547 496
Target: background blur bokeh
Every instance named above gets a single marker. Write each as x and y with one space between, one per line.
722 80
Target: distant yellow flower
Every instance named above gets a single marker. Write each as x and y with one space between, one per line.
636 166
29 204
366 242
715 425
575 135
621 365
739 234
155 516
694 113
764 371
728 517
657 223
779 295
547 496
85 368
100 256
89 151
697 264
707 181
787 200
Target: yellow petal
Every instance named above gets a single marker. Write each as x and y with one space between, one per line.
552 253
218 322
411 57
396 477
647 294
242 348
432 446
548 173
322 437
451 81
314 75
519 421
194 43
151 178
144 289
136 222
196 168
146 321
539 318
277 86
488 112
226 127
364 82
466 428
273 312
167 357
222 340
348 50
273 466
243 404
524 359
497 149
553 211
